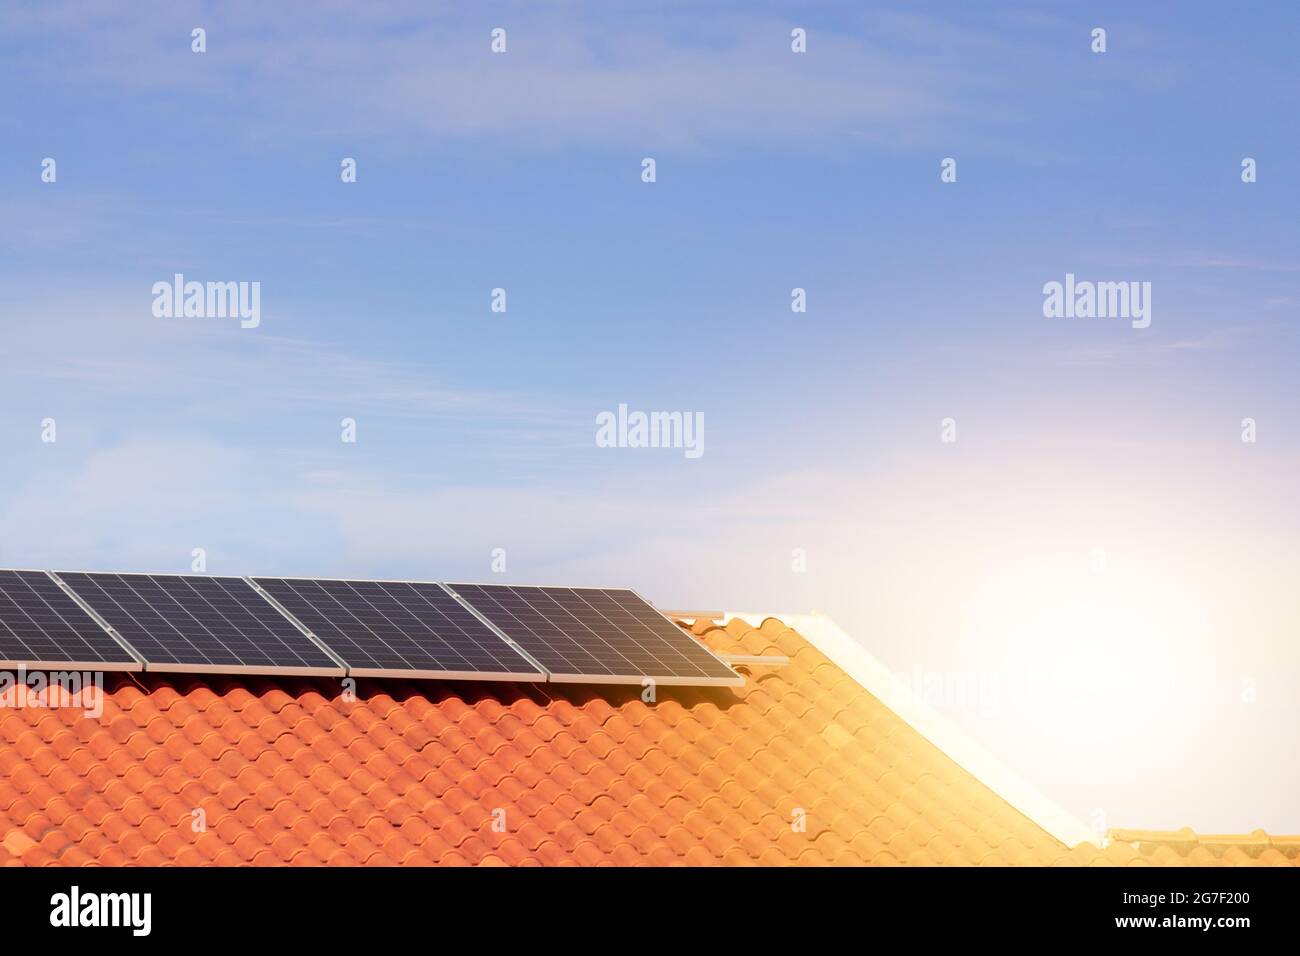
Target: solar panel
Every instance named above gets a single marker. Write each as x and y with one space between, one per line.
400 629
596 634
41 626
200 624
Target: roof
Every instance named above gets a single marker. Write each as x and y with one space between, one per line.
289 772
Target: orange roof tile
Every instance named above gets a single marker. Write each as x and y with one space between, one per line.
799 766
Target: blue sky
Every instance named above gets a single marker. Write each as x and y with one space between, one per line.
775 170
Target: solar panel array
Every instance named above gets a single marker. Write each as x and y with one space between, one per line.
42 626
317 626
596 634
399 629
182 622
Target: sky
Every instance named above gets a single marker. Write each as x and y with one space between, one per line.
1098 550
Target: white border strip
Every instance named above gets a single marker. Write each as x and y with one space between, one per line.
854 659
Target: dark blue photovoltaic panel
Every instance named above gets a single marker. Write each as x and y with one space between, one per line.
182 622
399 628
41 625
596 634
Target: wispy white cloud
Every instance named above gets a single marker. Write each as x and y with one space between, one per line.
1126 349
145 502
667 80
1143 350
83 347
1240 262
56 220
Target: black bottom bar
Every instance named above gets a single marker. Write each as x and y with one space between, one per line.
212 906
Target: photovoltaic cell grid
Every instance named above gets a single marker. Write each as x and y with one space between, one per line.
199 623
594 634
396 628
41 625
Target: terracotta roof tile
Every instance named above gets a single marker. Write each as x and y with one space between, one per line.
799 766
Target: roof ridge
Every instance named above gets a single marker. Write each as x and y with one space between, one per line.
1186 840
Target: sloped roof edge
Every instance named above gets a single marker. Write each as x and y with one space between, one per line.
854 659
